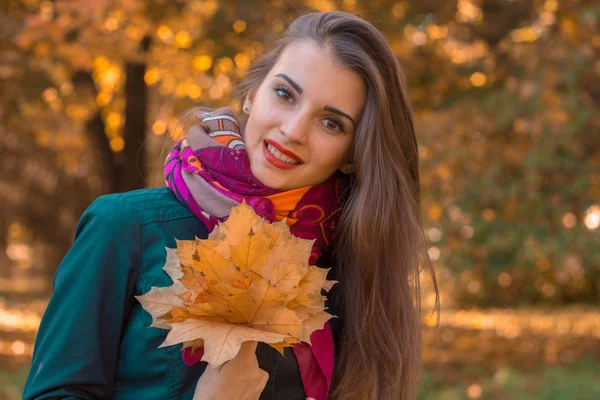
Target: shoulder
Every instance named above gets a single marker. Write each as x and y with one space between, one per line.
139 206
147 220
129 217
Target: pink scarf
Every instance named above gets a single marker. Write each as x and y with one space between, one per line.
209 172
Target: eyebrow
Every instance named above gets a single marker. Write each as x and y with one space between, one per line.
326 108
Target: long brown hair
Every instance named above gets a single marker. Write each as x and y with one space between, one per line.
380 242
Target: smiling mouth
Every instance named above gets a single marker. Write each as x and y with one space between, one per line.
280 156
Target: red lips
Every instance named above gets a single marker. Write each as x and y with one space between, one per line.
283 150
276 161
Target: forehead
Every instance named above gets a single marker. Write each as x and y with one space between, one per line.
324 80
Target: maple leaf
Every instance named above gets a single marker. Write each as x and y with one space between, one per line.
249 280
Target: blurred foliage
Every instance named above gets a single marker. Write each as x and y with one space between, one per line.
534 353
576 381
506 95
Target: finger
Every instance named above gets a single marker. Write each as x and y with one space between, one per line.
310 398
264 377
247 350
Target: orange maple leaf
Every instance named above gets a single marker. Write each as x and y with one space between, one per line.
249 280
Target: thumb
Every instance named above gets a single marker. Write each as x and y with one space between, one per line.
248 350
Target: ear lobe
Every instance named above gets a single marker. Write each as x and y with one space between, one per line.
346 168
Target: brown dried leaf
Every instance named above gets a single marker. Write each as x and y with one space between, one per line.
250 280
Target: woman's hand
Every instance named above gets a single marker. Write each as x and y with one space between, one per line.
237 379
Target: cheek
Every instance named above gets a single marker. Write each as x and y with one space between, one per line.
331 154
258 125
251 133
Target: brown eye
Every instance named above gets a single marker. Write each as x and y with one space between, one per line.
283 93
334 124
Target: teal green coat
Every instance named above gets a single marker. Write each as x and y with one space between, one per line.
94 341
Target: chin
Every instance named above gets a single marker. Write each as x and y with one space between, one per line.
273 178
275 184
267 179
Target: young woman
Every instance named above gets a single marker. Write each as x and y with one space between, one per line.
326 139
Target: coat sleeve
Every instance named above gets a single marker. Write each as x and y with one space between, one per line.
77 345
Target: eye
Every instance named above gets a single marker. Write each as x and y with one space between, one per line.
283 93
335 124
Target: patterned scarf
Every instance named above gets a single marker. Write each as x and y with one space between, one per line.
209 172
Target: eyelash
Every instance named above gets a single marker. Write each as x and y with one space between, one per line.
284 89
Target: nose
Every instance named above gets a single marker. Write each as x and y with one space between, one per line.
295 127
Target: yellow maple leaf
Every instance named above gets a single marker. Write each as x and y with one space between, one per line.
249 280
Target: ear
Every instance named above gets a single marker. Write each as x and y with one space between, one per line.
250 96
346 168
346 164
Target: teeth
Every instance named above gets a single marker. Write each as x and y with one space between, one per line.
281 156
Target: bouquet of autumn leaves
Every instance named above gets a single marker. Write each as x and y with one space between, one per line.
249 280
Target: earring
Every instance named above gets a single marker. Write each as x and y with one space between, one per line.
246 109
346 169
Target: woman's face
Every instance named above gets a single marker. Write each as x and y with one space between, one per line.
303 118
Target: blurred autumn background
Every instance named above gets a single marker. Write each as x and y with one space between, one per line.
506 97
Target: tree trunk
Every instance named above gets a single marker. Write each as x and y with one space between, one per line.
133 155
96 130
